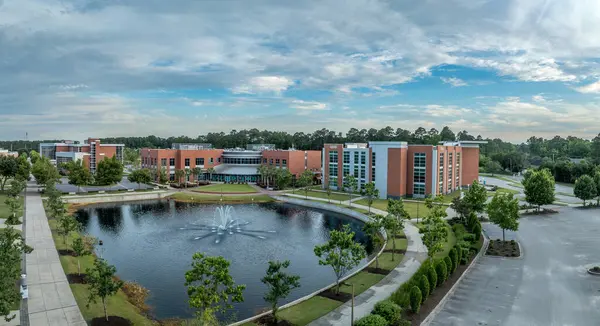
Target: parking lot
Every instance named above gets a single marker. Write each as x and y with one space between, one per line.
124 185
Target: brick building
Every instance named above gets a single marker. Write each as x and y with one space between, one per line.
230 165
402 170
91 152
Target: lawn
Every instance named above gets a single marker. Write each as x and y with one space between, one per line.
226 188
319 194
362 281
201 198
565 194
117 305
503 191
414 209
4 211
309 310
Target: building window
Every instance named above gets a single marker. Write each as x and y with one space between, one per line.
284 162
333 182
373 159
276 161
355 157
450 169
333 157
219 160
172 161
187 162
265 160
346 157
373 173
271 162
211 160
163 162
333 169
363 158
419 190
419 176
199 161
172 177
419 160
346 170
362 172
356 171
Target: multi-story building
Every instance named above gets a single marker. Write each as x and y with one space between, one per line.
402 170
91 152
228 165
6 152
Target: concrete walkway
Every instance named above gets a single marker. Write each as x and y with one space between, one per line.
416 253
51 302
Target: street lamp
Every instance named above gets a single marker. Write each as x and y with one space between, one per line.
352 306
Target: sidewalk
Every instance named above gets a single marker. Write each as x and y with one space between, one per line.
416 253
51 302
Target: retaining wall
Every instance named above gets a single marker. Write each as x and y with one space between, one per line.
108 198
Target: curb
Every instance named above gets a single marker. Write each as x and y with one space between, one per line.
442 302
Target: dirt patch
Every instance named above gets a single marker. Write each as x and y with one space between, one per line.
66 252
270 321
396 251
374 270
76 278
112 321
330 294
503 248
438 294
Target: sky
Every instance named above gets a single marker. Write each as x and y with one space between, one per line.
70 69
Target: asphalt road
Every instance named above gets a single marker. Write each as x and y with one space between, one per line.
558 188
65 187
548 286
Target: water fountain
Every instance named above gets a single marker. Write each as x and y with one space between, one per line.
224 223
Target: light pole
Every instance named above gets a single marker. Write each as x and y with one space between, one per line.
352 306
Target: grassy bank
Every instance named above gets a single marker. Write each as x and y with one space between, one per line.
226 188
212 198
318 194
413 209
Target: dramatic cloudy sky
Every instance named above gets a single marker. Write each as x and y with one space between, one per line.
506 68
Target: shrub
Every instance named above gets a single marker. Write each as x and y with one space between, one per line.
453 258
404 322
415 299
470 237
432 276
137 295
449 266
390 311
477 231
458 229
472 221
371 320
424 286
442 272
458 253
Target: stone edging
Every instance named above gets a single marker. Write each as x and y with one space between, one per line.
442 302
342 210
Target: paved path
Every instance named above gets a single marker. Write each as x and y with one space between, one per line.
51 302
365 302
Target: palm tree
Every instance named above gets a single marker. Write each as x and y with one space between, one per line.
261 171
197 171
210 172
187 172
178 175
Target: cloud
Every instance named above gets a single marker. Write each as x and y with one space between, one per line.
264 84
590 88
455 82
308 105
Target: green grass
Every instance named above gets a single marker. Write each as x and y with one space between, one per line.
226 188
319 194
565 194
200 198
362 281
4 211
412 208
503 191
309 310
445 198
448 245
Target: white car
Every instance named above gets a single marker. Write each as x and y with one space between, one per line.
24 290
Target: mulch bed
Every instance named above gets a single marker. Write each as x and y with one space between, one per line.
330 294
374 270
503 248
270 321
544 211
112 321
434 298
400 236
76 279
66 252
396 251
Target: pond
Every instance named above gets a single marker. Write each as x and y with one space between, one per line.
152 243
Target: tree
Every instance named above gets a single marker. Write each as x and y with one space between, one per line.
55 204
23 168
341 252
585 188
34 156
597 183
280 284
434 228
44 172
132 156
447 135
13 207
12 246
476 197
162 176
8 169
283 178
372 228
503 210
371 193
80 250
461 207
539 187
188 173
210 172
178 175
394 222
141 176
350 185
79 175
261 170
393 226
328 192
210 286
102 283
197 171
67 224
305 181
109 171
16 187
493 167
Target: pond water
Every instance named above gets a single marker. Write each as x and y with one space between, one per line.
152 243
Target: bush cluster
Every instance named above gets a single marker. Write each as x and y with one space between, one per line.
415 299
390 311
442 272
424 286
372 320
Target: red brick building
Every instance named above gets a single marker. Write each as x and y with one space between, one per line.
91 152
402 170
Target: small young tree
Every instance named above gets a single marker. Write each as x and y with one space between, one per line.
179 175
16 188
67 224
503 211
434 228
8 169
12 247
341 252
79 175
371 193
394 222
305 181
350 185
211 288
597 183
372 228
187 172
539 187
283 178
102 283
280 284
197 171
210 172
13 207
163 178
476 197
109 171
141 176
328 192
461 207
44 172
585 188
23 168
81 249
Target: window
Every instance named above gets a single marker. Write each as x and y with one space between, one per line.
277 161
172 177
346 157
219 160
419 190
363 158
199 160
271 162
373 159
211 160
450 168
373 173
355 157
265 160
172 161
163 162
362 172
419 160
441 160
284 162
187 162
333 169
419 176
333 182
355 171
333 157
346 171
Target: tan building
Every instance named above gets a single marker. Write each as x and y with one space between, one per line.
6 152
91 152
